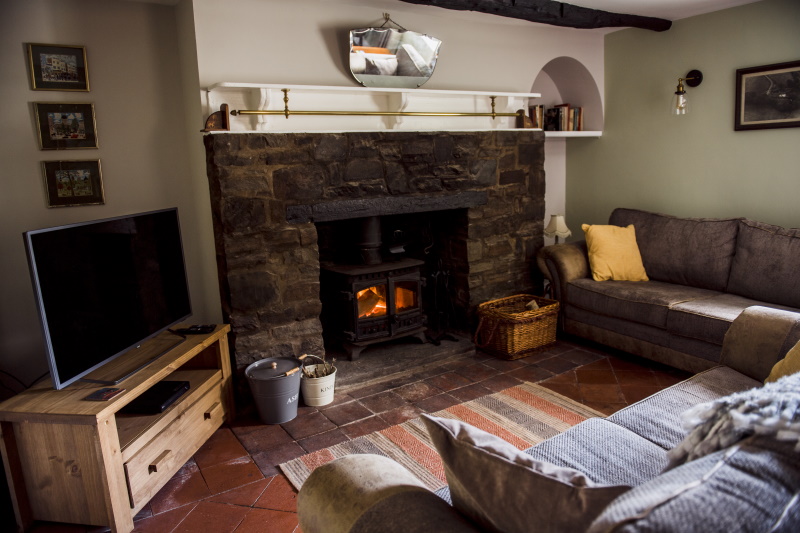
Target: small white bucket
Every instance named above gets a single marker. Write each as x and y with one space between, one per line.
317 391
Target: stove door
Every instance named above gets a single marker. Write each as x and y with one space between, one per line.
371 310
405 303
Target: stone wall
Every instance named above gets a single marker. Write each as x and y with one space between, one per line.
268 257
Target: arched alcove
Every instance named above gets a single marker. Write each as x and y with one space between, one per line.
566 80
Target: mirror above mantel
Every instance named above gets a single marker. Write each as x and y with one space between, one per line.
389 57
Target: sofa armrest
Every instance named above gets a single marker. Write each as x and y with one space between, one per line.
365 493
759 338
561 263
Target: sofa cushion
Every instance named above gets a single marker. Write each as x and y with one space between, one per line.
788 365
624 459
647 341
503 489
686 251
646 303
658 417
707 319
751 486
613 253
766 264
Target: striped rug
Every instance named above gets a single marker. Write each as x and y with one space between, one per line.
523 415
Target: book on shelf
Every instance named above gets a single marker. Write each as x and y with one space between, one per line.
562 117
536 113
552 120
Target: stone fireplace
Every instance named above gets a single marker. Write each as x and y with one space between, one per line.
276 197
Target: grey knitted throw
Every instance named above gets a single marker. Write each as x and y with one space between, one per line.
772 410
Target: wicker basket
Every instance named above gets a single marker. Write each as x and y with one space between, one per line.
509 330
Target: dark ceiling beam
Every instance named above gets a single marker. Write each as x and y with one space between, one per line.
551 12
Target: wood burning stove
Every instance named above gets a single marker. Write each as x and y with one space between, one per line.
366 304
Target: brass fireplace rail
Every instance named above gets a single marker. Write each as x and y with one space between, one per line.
219 121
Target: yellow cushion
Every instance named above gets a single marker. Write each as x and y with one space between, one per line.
614 254
788 365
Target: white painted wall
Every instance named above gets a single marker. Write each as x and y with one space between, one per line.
694 165
555 196
306 43
132 54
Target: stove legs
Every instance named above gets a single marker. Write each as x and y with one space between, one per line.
354 349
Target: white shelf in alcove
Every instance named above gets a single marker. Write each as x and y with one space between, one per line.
568 134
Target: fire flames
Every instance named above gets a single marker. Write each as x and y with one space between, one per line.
372 300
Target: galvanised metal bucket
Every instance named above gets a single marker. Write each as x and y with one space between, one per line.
275 384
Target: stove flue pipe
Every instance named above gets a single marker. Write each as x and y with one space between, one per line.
369 240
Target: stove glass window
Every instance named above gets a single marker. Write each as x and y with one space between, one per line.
405 296
372 301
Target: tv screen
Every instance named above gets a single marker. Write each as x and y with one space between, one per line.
103 287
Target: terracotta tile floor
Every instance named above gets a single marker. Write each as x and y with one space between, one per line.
233 482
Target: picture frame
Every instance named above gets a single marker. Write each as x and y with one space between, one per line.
768 96
65 126
73 183
58 67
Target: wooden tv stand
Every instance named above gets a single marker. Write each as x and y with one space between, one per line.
82 462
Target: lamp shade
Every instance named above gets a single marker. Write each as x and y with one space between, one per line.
557 227
679 105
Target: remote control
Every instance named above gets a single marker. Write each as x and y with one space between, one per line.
103 395
196 329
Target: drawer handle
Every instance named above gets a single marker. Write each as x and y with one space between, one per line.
153 467
210 413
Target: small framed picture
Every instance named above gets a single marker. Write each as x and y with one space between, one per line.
71 183
65 126
56 67
768 97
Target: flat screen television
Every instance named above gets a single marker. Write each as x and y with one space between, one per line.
103 287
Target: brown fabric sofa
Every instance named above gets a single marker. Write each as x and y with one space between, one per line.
703 274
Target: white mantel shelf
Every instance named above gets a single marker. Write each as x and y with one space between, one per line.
362 90
254 96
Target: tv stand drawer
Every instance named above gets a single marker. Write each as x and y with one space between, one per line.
158 460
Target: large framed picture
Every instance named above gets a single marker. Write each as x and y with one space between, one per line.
56 67
768 97
71 183
64 126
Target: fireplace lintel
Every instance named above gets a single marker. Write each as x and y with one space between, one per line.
392 205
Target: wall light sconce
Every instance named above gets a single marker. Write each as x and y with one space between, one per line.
680 105
557 227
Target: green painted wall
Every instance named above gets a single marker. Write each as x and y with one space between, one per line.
695 165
